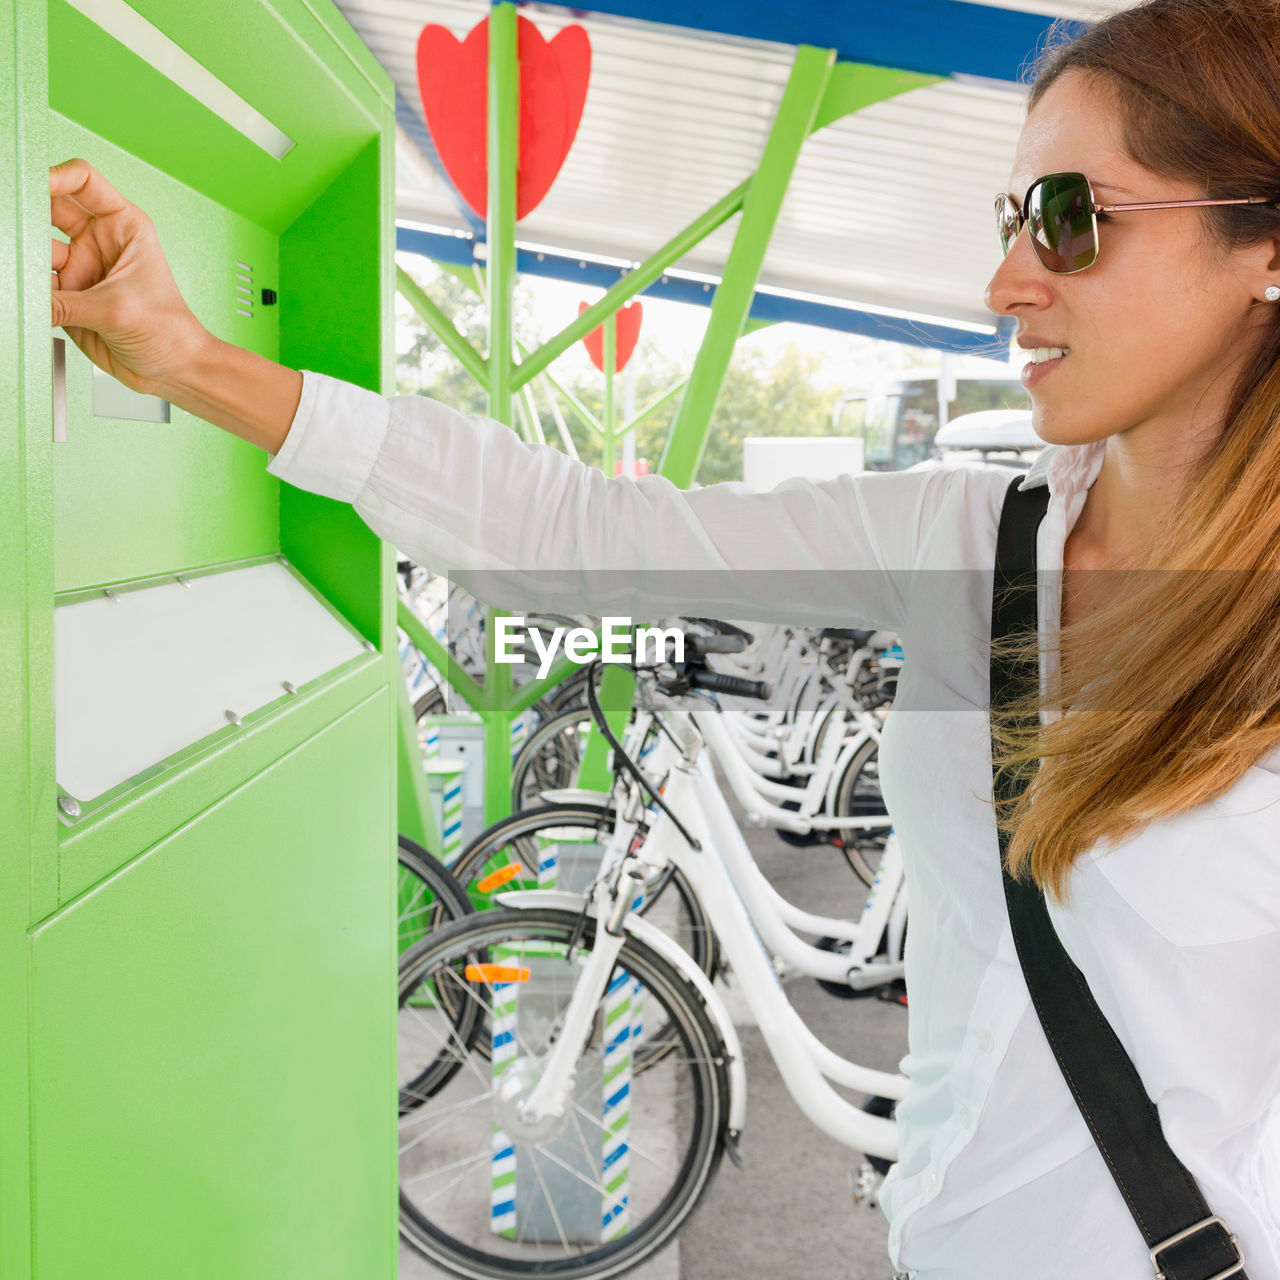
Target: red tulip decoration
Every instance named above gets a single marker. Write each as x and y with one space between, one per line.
452 80
628 320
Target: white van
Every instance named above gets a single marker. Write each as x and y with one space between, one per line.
1003 437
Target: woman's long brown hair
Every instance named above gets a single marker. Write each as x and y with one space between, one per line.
1173 688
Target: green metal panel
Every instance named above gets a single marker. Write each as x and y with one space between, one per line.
94 848
26 583
207 964
329 326
202 1093
144 521
286 59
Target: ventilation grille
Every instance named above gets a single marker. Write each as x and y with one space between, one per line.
244 290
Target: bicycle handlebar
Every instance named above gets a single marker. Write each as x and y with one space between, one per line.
719 682
722 643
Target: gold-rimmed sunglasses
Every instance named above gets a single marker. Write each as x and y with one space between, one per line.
1062 214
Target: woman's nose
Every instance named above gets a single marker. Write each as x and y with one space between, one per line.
1019 281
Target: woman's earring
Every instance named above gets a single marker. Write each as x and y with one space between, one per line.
1272 293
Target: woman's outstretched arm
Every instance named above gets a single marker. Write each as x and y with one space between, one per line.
529 526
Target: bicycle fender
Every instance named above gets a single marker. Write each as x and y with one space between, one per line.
851 745
574 795
680 960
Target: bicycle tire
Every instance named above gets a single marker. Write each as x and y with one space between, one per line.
427 896
491 851
515 839
549 757
858 794
429 893
455 1225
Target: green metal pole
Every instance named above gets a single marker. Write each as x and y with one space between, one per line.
655 404
562 427
503 155
792 124
531 414
504 142
588 419
632 283
413 795
497 725
439 657
440 324
610 414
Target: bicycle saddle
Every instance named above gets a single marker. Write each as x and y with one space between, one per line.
859 639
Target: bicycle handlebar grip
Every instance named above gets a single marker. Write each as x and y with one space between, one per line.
719 682
724 643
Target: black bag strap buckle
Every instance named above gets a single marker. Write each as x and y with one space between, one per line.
1181 1237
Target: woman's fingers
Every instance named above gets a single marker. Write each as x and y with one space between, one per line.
113 291
88 190
88 309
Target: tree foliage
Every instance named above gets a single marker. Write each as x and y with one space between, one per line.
782 396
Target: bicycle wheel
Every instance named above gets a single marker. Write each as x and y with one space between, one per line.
858 795
484 1193
571 692
563 844
428 894
430 703
550 757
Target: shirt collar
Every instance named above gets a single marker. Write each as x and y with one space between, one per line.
1066 468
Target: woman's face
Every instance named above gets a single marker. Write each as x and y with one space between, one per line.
1156 327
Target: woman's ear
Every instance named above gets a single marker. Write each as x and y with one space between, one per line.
1268 285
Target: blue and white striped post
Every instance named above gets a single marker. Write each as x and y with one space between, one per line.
616 1156
502 1199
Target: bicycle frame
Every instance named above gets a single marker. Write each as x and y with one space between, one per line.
736 906
758 795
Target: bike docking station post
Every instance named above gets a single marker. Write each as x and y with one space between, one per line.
587 1184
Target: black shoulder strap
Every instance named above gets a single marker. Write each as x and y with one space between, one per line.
1186 1241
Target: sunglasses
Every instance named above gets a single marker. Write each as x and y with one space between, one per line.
1062 213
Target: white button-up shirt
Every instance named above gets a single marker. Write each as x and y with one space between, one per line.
1176 929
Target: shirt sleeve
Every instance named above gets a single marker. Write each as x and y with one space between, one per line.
526 526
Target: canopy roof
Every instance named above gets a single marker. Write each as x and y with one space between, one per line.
889 208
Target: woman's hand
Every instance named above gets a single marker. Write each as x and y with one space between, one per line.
115 296
113 291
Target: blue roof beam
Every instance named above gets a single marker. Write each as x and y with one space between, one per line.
936 37
936 335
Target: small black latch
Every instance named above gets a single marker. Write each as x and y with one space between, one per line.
268 297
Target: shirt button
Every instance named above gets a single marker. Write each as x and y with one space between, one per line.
931 1180
966 1117
985 1042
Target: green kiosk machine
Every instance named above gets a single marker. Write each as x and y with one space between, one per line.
197 751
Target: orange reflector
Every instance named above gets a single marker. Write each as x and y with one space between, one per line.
495 879
495 973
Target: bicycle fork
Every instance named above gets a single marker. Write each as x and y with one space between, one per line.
612 900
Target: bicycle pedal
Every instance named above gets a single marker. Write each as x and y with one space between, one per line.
894 992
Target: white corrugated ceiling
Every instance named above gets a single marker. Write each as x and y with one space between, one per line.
890 207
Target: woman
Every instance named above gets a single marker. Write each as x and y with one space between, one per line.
1155 823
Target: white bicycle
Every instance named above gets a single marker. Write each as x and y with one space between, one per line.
570 1078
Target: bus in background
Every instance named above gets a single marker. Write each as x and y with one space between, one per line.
898 420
